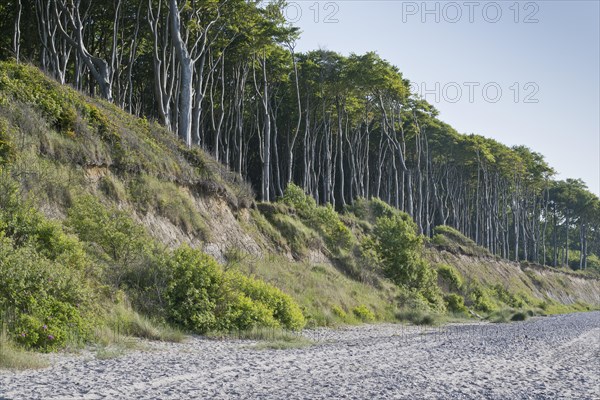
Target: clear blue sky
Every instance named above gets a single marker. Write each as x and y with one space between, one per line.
558 56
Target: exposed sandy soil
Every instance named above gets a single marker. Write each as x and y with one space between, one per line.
544 358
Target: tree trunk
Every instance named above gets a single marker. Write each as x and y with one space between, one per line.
186 75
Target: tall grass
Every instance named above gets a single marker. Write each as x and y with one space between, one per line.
268 338
323 291
14 358
124 321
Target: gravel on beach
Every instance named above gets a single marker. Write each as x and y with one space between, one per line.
554 357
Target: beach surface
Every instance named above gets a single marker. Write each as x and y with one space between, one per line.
554 357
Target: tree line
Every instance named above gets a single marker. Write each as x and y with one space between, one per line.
224 75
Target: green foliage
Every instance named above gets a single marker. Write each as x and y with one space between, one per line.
418 317
363 313
295 197
412 299
399 248
202 298
111 230
429 288
479 298
58 122
451 240
370 210
168 200
593 262
339 312
508 298
44 294
127 257
7 148
320 288
455 303
283 309
519 316
194 290
449 277
336 233
27 84
299 237
324 219
113 188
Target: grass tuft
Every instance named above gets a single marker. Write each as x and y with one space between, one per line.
419 317
15 358
126 321
268 338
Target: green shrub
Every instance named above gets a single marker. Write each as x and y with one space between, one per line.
29 85
399 248
201 298
110 230
519 316
299 237
382 209
42 275
339 312
450 277
429 289
323 219
363 313
593 262
370 210
46 301
244 313
510 299
412 299
451 240
337 235
283 309
113 188
295 197
480 299
195 289
418 317
455 303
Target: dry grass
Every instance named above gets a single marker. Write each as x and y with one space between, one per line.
124 321
15 358
268 338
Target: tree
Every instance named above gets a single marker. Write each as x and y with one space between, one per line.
399 245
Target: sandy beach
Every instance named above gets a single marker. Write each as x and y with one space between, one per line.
543 358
